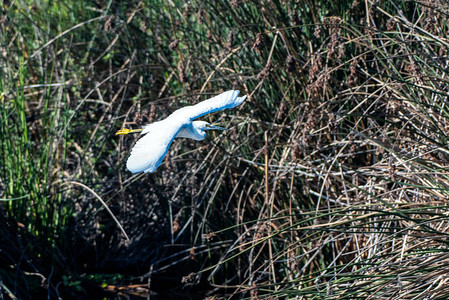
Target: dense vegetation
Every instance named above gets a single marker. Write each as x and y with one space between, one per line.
332 181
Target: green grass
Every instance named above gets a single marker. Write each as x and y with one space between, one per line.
331 182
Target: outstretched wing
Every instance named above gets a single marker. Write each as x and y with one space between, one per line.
148 153
223 101
151 149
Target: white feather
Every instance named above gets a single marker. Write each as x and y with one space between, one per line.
151 149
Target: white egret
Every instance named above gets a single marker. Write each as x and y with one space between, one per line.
149 151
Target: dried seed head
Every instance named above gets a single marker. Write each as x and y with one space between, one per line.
152 114
415 68
311 122
189 278
318 86
173 45
261 231
362 21
334 26
176 226
108 23
168 163
391 23
296 151
352 78
291 64
332 123
230 40
332 45
138 118
317 31
143 27
192 253
260 42
431 17
182 72
208 236
333 23
235 3
283 111
352 150
265 72
392 169
308 126
317 65
341 51
254 294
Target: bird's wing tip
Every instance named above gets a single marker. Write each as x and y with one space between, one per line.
147 170
150 170
240 100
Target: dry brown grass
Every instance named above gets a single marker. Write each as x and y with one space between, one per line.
331 182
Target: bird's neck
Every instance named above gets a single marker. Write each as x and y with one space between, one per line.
190 132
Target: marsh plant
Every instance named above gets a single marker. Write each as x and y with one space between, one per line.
332 181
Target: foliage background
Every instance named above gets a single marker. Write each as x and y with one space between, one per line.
331 182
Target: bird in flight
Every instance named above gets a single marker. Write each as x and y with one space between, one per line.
147 154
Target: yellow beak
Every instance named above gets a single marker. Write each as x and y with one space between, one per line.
126 131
